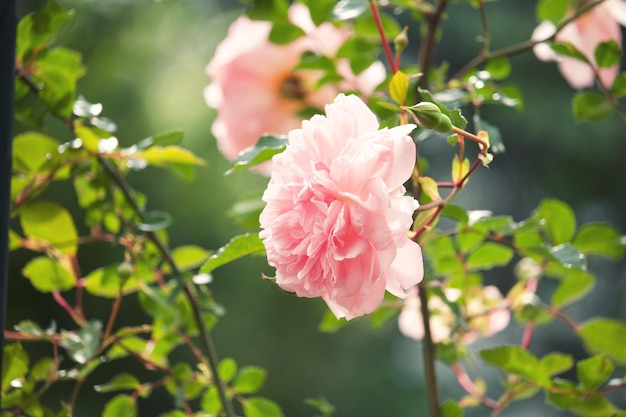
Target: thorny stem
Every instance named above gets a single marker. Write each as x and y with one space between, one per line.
521 47
205 337
429 353
383 37
427 47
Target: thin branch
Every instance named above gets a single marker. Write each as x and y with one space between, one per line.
205 337
429 353
383 37
427 47
521 47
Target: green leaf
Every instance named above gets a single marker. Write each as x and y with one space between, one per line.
56 71
596 406
227 369
14 364
555 363
607 54
239 246
285 32
106 281
249 380
321 404
498 68
568 256
165 139
261 407
429 187
82 344
211 402
450 409
593 372
31 151
575 285
349 9
50 222
330 323
569 50
38 30
590 106
122 381
31 328
120 406
516 360
165 155
456 213
15 241
188 257
601 335
619 85
552 10
459 170
558 219
48 275
263 150
155 220
399 87
600 239
488 256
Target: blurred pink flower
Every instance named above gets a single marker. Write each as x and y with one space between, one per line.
255 89
482 308
600 24
336 220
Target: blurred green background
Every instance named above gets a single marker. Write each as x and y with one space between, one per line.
146 61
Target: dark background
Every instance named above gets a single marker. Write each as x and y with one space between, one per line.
146 63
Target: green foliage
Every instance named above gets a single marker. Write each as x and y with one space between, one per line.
590 106
263 150
261 407
552 10
601 335
239 246
180 309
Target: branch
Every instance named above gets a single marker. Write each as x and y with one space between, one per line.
429 353
427 48
521 47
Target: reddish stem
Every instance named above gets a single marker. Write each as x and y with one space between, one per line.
468 385
65 305
383 37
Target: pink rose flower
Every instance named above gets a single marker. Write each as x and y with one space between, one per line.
336 220
482 308
255 89
600 24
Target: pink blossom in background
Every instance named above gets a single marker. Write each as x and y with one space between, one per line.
255 90
336 220
600 24
482 307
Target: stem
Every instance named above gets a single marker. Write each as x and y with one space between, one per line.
114 311
427 48
383 37
522 46
8 26
485 24
468 385
65 305
429 353
205 336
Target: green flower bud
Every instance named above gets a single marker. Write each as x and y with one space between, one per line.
431 117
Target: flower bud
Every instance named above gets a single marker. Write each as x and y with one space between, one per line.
431 117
